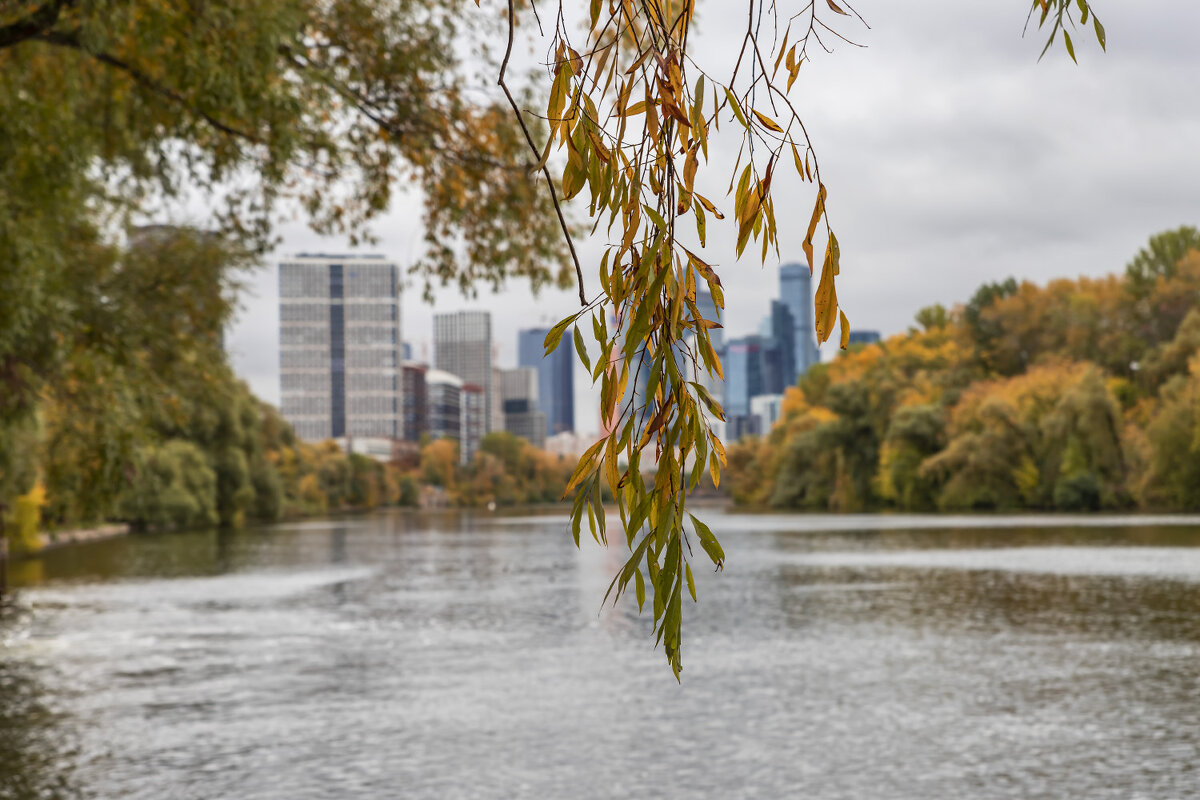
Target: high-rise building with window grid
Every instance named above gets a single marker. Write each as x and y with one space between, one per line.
555 378
795 290
340 346
462 346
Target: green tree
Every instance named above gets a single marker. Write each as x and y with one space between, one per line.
914 434
1160 258
1174 438
174 487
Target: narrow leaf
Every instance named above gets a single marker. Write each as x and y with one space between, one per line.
818 212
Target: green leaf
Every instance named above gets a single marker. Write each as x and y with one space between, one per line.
1099 32
737 109
655 217
1070 46
640 588
691 583
581 350
708 542
556 333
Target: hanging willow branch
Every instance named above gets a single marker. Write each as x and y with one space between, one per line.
633 110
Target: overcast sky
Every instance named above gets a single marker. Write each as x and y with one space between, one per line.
952 157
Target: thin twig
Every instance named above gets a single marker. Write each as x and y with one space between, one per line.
529 138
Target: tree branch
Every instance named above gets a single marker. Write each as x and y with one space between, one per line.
545 170
38 21
71 40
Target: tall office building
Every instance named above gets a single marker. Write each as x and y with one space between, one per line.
462 346
751 371
339 346
782 333
795 290
744 373
555 378
519 394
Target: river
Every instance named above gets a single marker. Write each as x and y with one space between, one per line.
461 656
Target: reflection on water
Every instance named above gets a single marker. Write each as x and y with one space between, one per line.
460 656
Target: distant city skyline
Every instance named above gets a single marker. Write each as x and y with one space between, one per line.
939 180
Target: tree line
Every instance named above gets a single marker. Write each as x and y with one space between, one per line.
145 422
1080 395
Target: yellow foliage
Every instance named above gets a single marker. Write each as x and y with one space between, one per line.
25 520
1030 395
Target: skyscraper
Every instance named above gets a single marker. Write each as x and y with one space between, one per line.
795 290
744 378
519 394
784 372
462 346
339 346
555 378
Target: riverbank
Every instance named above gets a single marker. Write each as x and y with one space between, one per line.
53 539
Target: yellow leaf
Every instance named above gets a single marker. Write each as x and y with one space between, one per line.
767 121
825 300
818 212
583 467
845 326
799 163
689 167
737 108
709 207
610 465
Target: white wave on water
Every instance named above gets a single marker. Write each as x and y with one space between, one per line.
1160 562
820 523
233 587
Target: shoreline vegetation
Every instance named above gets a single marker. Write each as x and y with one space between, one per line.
142 422
1079 396
1083 395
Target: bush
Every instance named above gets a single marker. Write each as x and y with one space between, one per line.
1078 492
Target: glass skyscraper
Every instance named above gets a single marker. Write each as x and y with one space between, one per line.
795 290
744 374
339 346
555 378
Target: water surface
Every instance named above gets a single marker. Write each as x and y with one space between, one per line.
465 656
